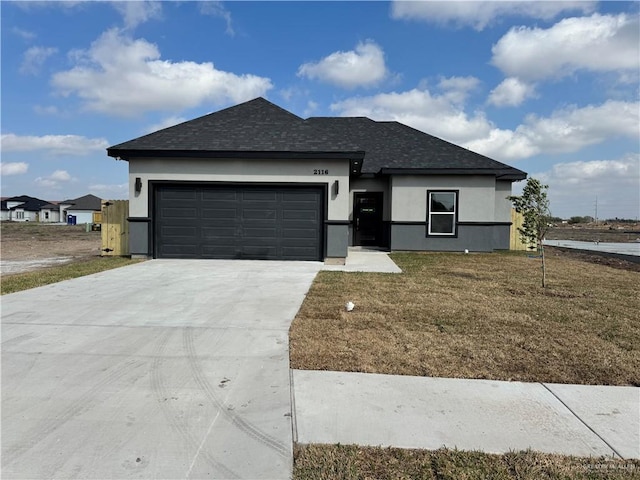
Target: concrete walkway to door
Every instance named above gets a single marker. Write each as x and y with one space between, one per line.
164 369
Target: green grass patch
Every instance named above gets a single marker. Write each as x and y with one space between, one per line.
351 462
45 276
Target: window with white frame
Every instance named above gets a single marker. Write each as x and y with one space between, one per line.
19 215
442 213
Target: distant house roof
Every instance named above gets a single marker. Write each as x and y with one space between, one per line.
30 204
260 129
88 202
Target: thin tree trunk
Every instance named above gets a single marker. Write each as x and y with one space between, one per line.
544 270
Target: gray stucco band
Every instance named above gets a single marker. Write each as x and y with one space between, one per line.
337 241
139 238
475 238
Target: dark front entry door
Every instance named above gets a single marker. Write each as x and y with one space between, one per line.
367 215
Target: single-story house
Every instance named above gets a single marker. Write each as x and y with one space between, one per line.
256 181
50 213
82 208
22 208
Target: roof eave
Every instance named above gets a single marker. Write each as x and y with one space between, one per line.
126 154
511 174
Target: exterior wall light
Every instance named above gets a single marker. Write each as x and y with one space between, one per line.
336 187
138 184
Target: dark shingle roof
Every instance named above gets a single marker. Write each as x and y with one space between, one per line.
88 202
30 204
260 126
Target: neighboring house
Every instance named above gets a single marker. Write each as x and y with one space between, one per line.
82 208
50 213
256 181
21 209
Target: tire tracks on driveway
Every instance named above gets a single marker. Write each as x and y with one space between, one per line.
171 414
246 427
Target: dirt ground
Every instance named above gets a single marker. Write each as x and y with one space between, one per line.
590 232
29 246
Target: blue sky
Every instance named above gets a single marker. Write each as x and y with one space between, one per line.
548 87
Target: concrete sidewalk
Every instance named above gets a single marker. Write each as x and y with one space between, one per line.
362 259
491 416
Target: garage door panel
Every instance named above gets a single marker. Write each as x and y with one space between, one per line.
260 234
220 195
239 221
258 252
259 195
179 231
177 194
213 233
219 251
259 214
293 234
179 212
180 251
226 213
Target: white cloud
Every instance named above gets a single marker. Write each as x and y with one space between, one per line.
311 107
55 180
13 168
53 144
34 58
217 9
48 110
136 12
435 114
457 89
599 43
573 187
114 191
125 77
361 67
566 130
511 92
25 34
165 123
480 14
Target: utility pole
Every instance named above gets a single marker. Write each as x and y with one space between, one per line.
596 210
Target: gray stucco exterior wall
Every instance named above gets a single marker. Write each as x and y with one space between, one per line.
337 241
475 238
139 238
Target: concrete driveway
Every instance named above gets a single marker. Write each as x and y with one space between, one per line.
165 369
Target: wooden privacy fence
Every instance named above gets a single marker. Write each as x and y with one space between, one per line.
115 228
515 243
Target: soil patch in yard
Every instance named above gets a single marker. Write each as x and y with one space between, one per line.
615 232
476 316
26 246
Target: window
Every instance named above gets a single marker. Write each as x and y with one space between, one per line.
19 215
442 213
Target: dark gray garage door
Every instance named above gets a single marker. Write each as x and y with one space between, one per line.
214 221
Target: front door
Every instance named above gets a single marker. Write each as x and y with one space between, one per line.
367 217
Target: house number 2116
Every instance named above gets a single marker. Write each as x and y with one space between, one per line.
320 171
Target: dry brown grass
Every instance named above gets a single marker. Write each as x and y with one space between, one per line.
475 316
347 462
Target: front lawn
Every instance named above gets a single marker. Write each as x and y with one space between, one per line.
475 316
350 462
78 268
